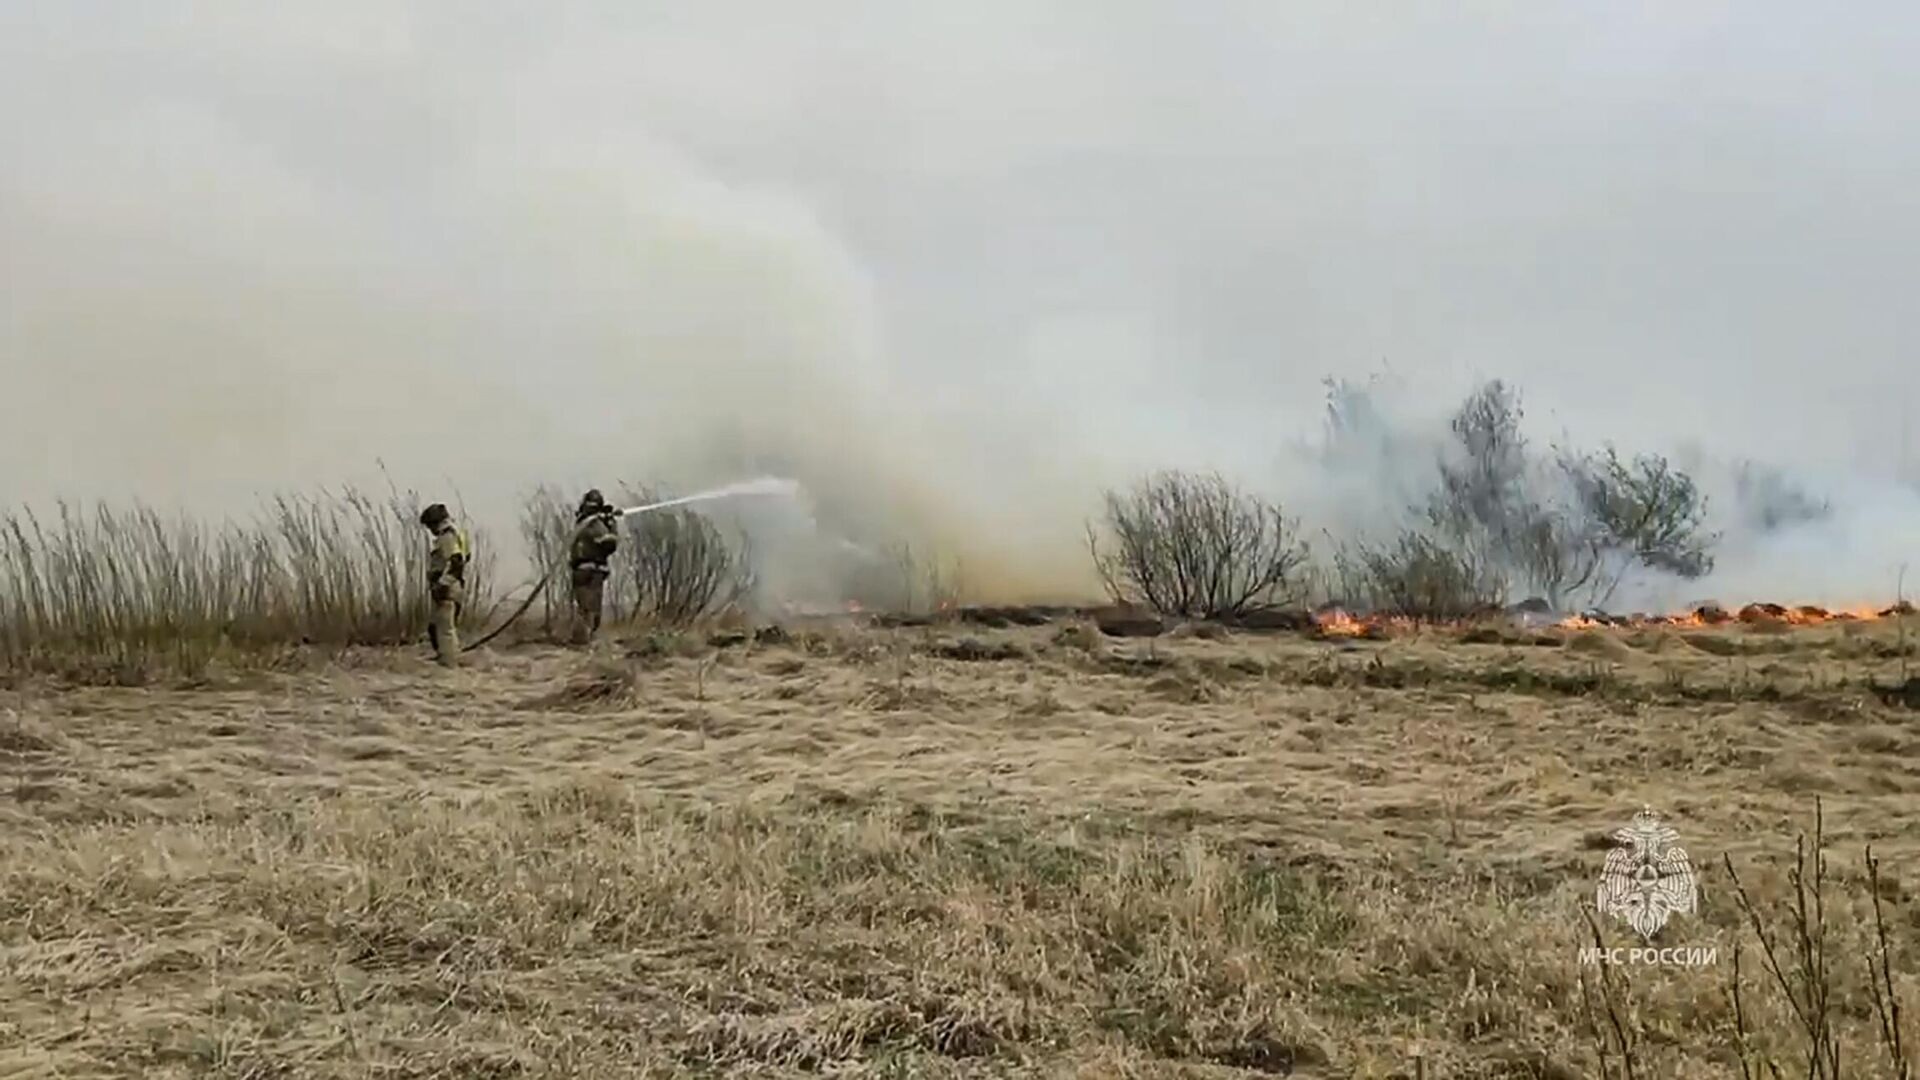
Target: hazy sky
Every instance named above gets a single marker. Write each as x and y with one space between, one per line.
253 245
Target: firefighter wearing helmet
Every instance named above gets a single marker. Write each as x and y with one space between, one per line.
596 537
447 559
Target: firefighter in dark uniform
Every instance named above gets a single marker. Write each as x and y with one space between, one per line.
596 537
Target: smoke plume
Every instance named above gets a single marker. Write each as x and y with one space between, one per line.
955 271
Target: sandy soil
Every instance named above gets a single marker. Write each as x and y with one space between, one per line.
940 851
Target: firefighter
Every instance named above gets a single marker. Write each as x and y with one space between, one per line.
447 560
596 536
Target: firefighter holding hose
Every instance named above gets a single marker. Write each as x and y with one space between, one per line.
447 560
596 536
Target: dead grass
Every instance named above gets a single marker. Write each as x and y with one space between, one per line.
604 685
128 595
1020 852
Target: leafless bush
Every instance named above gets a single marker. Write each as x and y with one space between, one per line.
1484 491
1356 428
1196 547
675 567
126 593
1576 528
1488 513
905 579
1769 501
1417 577
672 565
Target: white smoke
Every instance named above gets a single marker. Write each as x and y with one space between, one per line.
1782 534
955 271
1849 557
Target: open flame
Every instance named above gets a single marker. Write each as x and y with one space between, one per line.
1752 614
1337 623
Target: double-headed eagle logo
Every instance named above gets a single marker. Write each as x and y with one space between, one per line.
1647 878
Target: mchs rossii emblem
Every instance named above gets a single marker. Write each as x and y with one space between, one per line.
1647 879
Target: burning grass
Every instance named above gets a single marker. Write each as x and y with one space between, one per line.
1334 621
112 596
1750 615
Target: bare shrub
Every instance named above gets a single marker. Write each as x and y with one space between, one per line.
126 593
1418 577
1578 527
1769 501
674 566
906 580
1483 492
1355 426
1196 547
1487 512
1558 557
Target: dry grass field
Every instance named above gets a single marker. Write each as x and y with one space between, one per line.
950 850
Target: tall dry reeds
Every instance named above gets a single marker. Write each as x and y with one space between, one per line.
123 592
546 530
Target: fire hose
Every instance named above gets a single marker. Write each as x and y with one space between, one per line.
540 587
522 610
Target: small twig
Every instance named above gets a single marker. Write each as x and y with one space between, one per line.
1740 1019
346 1016
1886 1001
1900 619
1593 1024
1613 1013
1768 952
1812 998
1805 930
700 677
1823 1050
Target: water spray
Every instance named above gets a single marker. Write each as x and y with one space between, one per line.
764 485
